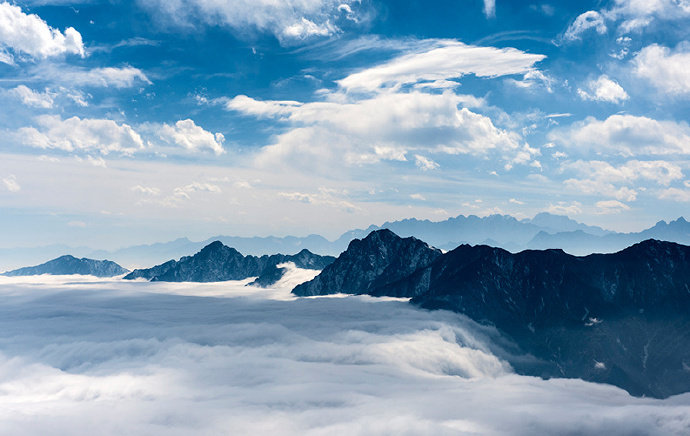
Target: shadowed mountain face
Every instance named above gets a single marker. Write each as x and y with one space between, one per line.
371 263
217 262
67 264
621 318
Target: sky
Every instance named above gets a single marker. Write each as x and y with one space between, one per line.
126 122
83 356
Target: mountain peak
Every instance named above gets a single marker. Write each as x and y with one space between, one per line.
68 264
381 258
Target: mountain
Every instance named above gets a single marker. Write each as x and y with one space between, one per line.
370 263
218 262
582 242
67 264
621 318
543 231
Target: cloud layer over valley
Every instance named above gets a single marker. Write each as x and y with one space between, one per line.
80 356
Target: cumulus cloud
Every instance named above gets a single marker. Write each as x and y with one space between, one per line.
185 191
675 194
665 69
11 183
442 59
603 178
186 134
27 36
381 127
33 98
424 163
588 20
626 135
76 134
180 364
628 16
289 21
603 89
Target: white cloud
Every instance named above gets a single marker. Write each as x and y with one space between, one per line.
603 89
186 134
626 135
610 207
227 356
442 59
534 79
602 188
124 77
588 20
418 197
33 98
76 134
515 201
185 191
629 16
675 194
490 8
424 163
27 35
289 21
382 127
11 183
148 190
665 69
324 196
603 178
565 208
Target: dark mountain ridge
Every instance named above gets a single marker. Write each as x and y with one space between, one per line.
218 262
67 264
621 318
371 263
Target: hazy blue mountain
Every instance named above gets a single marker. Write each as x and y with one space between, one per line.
218 262
560 223
580 242
621 318
543 231
67 264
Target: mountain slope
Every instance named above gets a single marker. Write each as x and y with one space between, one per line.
67 264
621 318
368 264
218 262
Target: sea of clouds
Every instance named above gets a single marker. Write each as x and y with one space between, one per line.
86 356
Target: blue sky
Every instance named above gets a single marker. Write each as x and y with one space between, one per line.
142 121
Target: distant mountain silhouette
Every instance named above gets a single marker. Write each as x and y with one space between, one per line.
217 262
543 231
67 264
621 318
581 242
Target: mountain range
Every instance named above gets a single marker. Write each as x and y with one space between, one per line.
217 262
67 264
620 318
543 231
